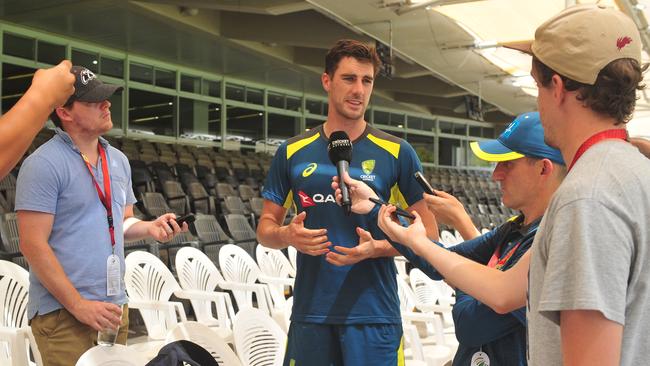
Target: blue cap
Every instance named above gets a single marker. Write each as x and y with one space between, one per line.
523 137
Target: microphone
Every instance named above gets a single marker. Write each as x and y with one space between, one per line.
339 151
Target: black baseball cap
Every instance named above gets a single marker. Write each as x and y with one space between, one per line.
88 88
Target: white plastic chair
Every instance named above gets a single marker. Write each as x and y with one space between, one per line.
459 238
241 273
293 254
15 334
150 284
447 238
205 337
199 278
429 298
259 340
400 264
434 354
115 355
276 272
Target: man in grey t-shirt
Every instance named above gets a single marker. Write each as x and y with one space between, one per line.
589 288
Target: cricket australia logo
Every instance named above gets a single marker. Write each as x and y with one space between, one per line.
368 166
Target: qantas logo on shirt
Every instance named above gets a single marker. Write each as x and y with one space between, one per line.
306 201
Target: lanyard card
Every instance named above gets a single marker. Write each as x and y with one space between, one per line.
112 275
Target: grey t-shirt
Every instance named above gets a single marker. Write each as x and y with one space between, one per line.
591 252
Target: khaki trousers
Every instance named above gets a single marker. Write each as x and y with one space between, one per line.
62 339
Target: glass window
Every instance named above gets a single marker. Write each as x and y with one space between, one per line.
141 73
212 88
18 46
382 118
421 123
397 120
293 103
255 96
488 132
283 127
50 53
235 92
460 129
446 127
190 84
86 59
112 67
423 146
116 110
166 78
452 152
199 120
275 100
475 131
151 113
311 123
314 106
15 81
453 128
244 125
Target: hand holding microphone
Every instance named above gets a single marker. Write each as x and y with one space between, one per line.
339 151
359 194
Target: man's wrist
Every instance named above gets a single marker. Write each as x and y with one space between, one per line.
129 222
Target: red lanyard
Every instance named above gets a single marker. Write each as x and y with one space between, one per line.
593 140
497 263
105 199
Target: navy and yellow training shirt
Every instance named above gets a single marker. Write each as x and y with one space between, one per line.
301 174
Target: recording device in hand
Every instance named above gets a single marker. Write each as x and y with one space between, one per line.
187 218
398 212
424 183
339 151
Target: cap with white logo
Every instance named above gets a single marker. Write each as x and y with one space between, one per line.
88 88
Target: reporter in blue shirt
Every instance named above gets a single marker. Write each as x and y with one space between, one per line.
528 172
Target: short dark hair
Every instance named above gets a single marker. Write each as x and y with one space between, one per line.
351 48
614 92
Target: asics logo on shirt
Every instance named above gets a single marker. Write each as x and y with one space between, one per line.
310 169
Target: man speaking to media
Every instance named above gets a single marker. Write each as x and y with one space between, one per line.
346 309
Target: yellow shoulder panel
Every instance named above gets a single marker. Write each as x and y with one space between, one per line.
397 198
391 147
288 201
294 147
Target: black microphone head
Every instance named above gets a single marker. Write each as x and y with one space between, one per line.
339 147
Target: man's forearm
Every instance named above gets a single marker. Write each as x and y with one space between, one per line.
137 230
18 128
47 268
271 235
466 228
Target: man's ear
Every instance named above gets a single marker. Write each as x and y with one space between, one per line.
559 92
547 167
326 80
